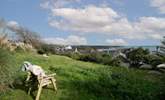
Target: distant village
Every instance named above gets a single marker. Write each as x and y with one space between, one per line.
113 50
83 49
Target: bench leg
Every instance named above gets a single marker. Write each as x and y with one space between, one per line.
39 91
29 90
54 84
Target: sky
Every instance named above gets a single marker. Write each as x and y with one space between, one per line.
89 22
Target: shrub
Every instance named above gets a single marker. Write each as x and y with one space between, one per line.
137 56
154 60
106 59
4 42
6 69
115 62
93 57
19 49
112 83
101 58
46 49
76 56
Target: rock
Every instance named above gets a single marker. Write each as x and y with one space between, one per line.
145 66
161 66
45 55
155 72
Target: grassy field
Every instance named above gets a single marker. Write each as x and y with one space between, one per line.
78 80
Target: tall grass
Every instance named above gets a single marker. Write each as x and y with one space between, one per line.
78 80
4 43
6 69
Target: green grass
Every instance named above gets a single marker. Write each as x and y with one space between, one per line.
78 80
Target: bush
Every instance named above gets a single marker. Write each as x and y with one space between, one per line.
19 49
137 56
6 69
112 83
101 58
115 62
46 49
94 57
76 56
154 60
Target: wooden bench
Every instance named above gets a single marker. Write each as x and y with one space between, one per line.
43 81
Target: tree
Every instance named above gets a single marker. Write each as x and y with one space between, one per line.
21 33
27 36
137 56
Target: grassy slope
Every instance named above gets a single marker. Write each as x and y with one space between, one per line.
78 80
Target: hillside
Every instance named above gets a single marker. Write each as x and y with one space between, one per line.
78 80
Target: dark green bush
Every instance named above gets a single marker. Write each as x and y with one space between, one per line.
94 57
75 55
137 56
154 60
115 62
41 51
101 58
46 49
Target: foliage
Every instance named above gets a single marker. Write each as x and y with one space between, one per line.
21 34
93 57
137 56
73 55
19 49
4 43
27 36
6 69
153 60
46 49
115 62
100 58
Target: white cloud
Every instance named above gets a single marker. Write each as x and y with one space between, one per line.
149 27
88 12
156 36
12 24
104 20
159 4
116 42
70 40
149 24
90 19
